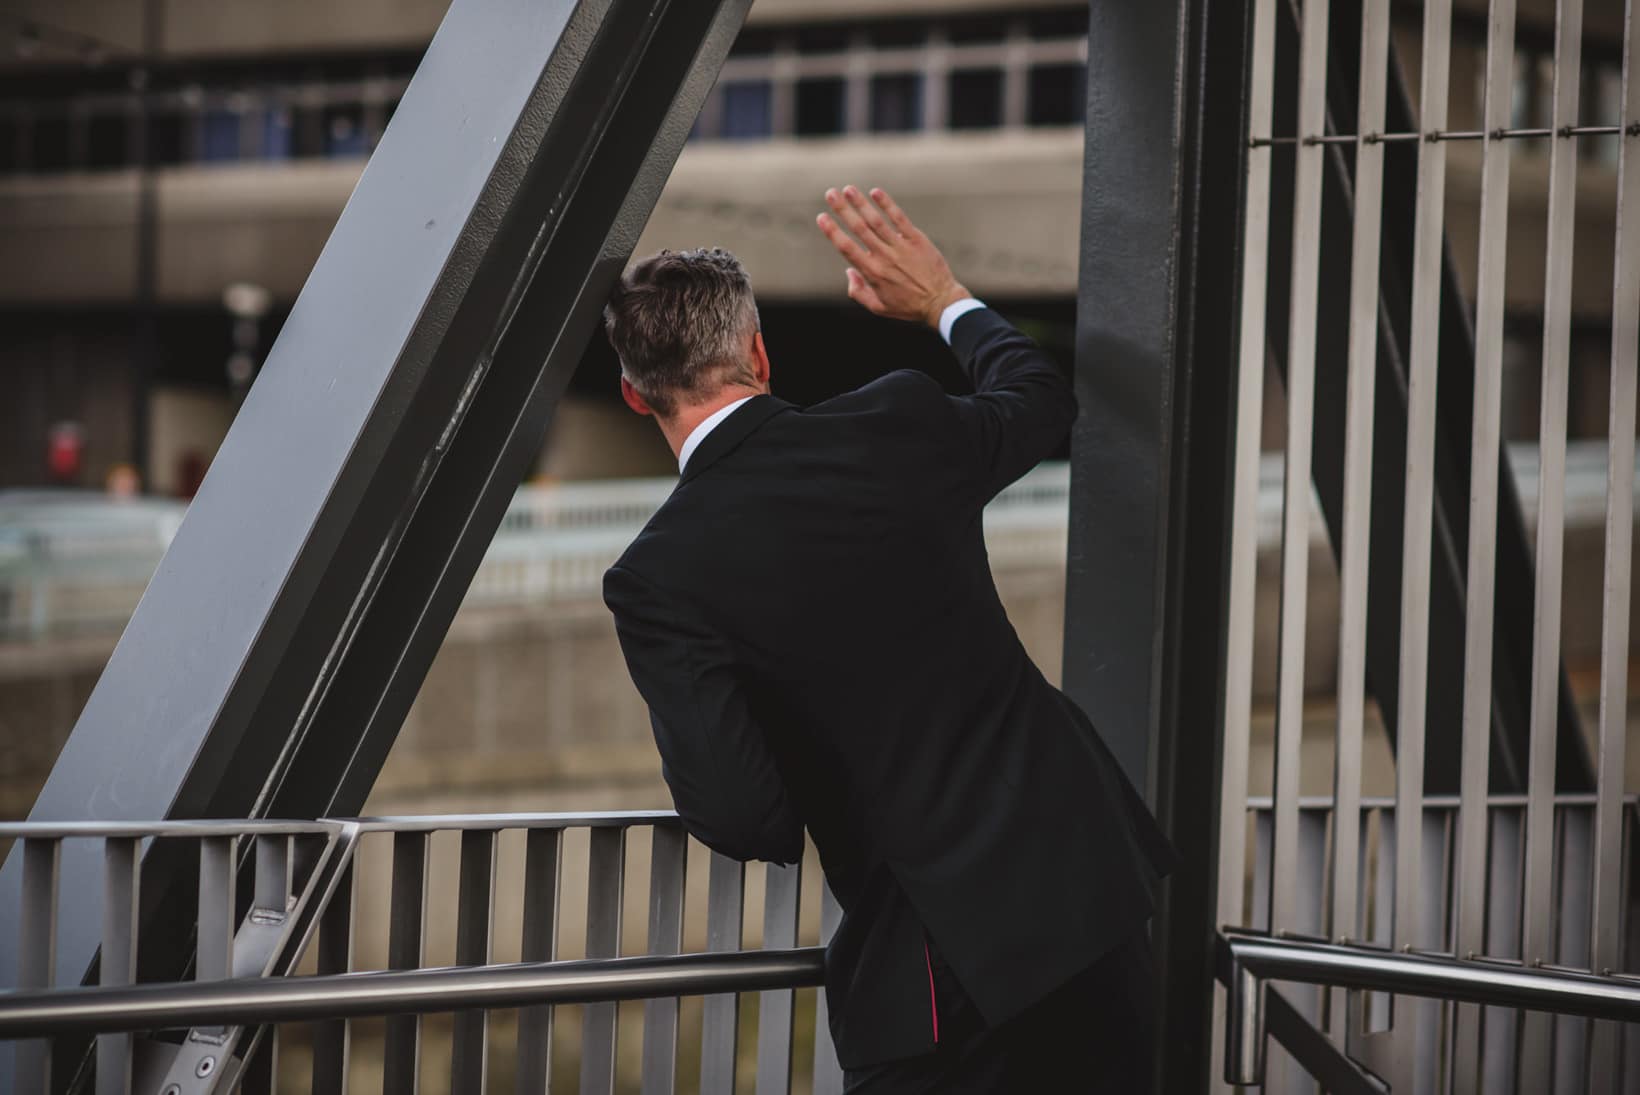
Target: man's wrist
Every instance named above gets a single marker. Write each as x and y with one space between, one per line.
954 295
955 311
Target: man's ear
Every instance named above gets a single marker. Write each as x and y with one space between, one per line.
633 399
760 359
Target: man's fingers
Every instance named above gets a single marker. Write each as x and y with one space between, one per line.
844 208
861 292
896 215
850 250
872 216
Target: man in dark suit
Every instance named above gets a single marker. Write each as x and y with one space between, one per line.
812 620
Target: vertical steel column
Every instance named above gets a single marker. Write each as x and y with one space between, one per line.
1537 923
1353 558
1145 644
1605 1048
1417 545
1480 591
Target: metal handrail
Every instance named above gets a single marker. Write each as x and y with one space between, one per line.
255 1000
1250 960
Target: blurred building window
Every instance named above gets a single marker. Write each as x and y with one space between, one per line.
219 135
12 135
52 143
896 102
976 98
1057 94
980 28
345 133
748 109
167 138
821 39
108 139
820 102
308 136
278 128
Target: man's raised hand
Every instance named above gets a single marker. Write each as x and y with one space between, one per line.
894 270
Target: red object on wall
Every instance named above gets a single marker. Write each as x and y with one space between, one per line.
65 451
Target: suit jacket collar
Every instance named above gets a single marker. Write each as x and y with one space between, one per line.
732 431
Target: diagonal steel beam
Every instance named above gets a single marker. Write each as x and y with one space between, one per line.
270 664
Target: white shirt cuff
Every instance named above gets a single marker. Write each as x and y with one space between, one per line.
954 312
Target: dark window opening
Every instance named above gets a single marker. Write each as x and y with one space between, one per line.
984 28
830 39
167 139
1057 95
748 109
896 103
52 143
753 42
898 33
108 140
11 131
820 106
1061 23
976 98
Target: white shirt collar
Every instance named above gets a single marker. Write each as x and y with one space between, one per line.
698 434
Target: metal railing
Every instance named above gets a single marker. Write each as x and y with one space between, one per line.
334 920
1471 594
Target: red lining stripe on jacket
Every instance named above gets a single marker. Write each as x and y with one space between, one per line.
933 1004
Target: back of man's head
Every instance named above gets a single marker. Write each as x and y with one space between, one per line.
682 323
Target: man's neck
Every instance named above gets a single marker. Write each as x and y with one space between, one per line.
678 428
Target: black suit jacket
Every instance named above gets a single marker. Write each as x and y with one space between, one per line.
812 620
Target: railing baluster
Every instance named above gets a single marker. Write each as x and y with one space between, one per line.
406 942
1296 488
1503 900
828 1074
540 944
1242 575
214 960
774 1024
331 1037
1362 367
1422 371
1537 924
475 905
1469 873
668 860
117 964
725 911
606 875
37 949
1605 1050
1573 884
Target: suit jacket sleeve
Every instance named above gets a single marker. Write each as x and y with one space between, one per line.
714 757
1022 406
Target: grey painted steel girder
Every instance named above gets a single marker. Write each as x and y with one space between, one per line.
271 662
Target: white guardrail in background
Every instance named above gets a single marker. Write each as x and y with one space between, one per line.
76 562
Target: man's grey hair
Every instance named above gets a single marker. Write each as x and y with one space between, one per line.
682 322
